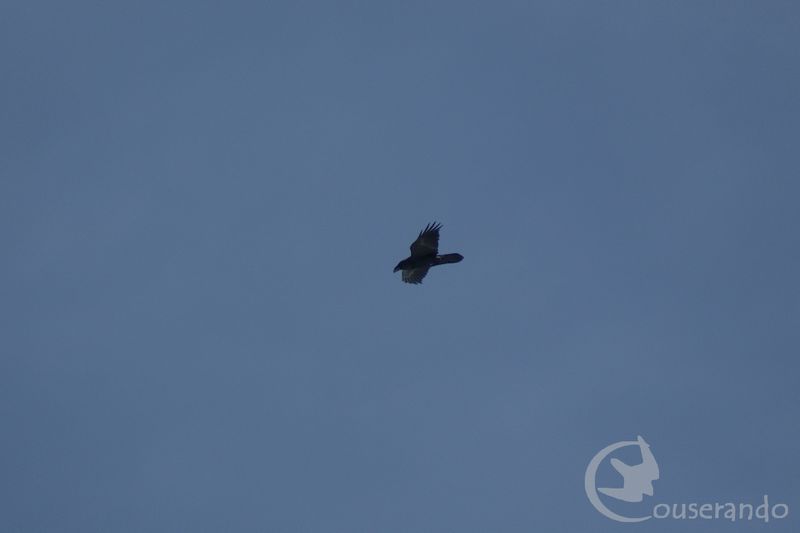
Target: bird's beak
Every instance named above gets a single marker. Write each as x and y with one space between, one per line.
396 269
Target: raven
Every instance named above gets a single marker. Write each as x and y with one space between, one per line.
425 254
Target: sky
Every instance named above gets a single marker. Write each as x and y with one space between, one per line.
201 204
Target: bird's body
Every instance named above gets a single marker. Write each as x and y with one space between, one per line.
424 255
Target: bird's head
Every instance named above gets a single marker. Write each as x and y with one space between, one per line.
400 266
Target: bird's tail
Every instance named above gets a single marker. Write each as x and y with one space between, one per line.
448 258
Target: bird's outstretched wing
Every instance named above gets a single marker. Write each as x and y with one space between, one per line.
415 275
427 242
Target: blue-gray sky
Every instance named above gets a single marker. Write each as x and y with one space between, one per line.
201 204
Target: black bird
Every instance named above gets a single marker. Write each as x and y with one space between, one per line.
425 254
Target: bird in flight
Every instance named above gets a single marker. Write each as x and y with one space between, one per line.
424 255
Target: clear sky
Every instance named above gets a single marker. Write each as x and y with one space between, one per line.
201 204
